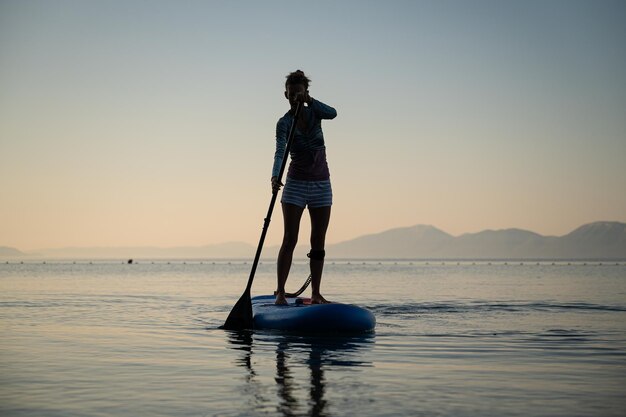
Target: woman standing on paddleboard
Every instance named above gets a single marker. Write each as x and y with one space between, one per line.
307 184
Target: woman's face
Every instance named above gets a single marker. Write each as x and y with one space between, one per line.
292 92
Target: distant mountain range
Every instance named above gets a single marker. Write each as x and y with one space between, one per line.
221 250
6 252
599 240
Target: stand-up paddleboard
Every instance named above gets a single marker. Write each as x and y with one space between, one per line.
301 316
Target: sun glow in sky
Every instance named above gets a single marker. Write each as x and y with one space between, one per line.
152 122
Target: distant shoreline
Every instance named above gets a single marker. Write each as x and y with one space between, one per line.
431 261
602 240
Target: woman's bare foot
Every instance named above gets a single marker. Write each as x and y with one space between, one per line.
318 299
280 299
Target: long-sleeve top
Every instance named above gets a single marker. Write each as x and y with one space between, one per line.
308 151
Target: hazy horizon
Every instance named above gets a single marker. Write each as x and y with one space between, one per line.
135 123
269 249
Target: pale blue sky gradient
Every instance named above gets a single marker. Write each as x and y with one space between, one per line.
152 122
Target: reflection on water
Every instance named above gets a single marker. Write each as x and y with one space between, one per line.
108 340
318 354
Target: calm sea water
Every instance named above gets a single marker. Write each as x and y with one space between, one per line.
110 339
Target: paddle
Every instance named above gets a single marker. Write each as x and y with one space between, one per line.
240 316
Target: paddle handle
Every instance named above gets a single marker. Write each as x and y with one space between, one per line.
268 217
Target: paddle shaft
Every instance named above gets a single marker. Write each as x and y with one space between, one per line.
240 317
268 217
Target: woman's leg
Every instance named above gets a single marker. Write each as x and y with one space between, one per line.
320 217
291 217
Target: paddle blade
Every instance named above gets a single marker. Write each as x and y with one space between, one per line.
240 317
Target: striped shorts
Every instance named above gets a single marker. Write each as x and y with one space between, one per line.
312 193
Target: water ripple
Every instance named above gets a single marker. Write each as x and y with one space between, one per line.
480 306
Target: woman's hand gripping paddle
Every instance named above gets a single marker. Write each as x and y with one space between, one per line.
240 317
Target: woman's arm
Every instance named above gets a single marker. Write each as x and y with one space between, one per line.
281 144
321 110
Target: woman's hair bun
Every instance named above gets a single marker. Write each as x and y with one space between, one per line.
297 77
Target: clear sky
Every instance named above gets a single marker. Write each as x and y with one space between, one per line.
152 122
